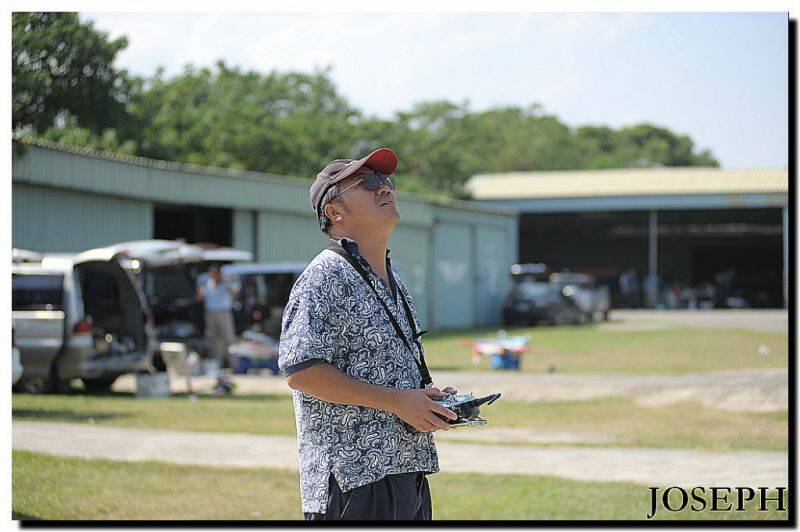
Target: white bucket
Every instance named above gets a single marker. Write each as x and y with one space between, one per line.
152 384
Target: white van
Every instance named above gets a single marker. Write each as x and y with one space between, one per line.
78 316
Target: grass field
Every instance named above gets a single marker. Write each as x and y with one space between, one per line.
49 487
689 425
588 349
70 488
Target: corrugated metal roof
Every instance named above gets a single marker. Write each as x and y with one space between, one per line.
628 182
301 183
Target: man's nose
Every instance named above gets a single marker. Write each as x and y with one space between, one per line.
382 189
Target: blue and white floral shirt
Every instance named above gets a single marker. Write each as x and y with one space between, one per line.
334 317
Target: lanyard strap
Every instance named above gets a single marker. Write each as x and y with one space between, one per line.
421 366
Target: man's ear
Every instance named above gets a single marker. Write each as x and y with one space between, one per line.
333 212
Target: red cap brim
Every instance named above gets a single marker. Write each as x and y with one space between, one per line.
382 160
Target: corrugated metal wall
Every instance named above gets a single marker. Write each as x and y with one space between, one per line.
411 260
244 229
453 274
53 220
453 256
286 237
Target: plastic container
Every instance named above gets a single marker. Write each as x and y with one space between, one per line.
152 385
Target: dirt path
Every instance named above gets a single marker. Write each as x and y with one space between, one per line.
760 390
650 466
770 320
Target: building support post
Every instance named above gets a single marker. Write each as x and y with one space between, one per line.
785 234
651 283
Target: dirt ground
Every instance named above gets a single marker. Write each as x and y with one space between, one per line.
770 320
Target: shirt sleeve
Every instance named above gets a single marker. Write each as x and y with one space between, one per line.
312 322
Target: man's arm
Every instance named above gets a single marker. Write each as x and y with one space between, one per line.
415 407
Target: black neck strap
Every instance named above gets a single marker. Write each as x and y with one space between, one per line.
421 366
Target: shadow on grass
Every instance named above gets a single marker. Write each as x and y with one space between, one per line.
17 516
203 395
449 368
235 397
62 415
75 392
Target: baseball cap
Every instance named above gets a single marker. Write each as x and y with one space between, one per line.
382 161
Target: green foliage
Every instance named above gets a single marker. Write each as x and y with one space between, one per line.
108 140
62 69
67 89
285 123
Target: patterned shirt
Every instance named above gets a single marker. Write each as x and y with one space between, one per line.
334 317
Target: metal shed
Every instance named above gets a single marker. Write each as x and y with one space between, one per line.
454 255
682 223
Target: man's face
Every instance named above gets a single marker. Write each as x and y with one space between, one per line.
367 207
215 274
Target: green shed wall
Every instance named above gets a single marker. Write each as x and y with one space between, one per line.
453 255
54 220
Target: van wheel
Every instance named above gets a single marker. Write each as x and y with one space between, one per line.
34 385
50 384
98 385
158 362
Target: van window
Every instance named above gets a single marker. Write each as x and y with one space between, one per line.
37 292
279 287
171 282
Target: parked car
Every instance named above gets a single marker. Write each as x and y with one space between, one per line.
78 316
16 360
263 294
163 269
532 302
529 272
592 300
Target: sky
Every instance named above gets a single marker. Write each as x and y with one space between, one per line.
721 78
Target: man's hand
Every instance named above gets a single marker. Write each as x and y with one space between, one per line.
416 408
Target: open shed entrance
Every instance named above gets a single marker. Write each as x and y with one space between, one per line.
738 248
193 224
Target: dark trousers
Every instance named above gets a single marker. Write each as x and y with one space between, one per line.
404 497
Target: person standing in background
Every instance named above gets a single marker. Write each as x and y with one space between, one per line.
218 298
629 288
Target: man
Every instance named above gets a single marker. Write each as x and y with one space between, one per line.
350 349
218 299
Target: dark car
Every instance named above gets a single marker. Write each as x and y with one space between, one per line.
263 293
592 299
531 302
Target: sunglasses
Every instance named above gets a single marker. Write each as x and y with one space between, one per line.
370 182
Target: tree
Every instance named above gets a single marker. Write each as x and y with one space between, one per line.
286 123
66 88
63 70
